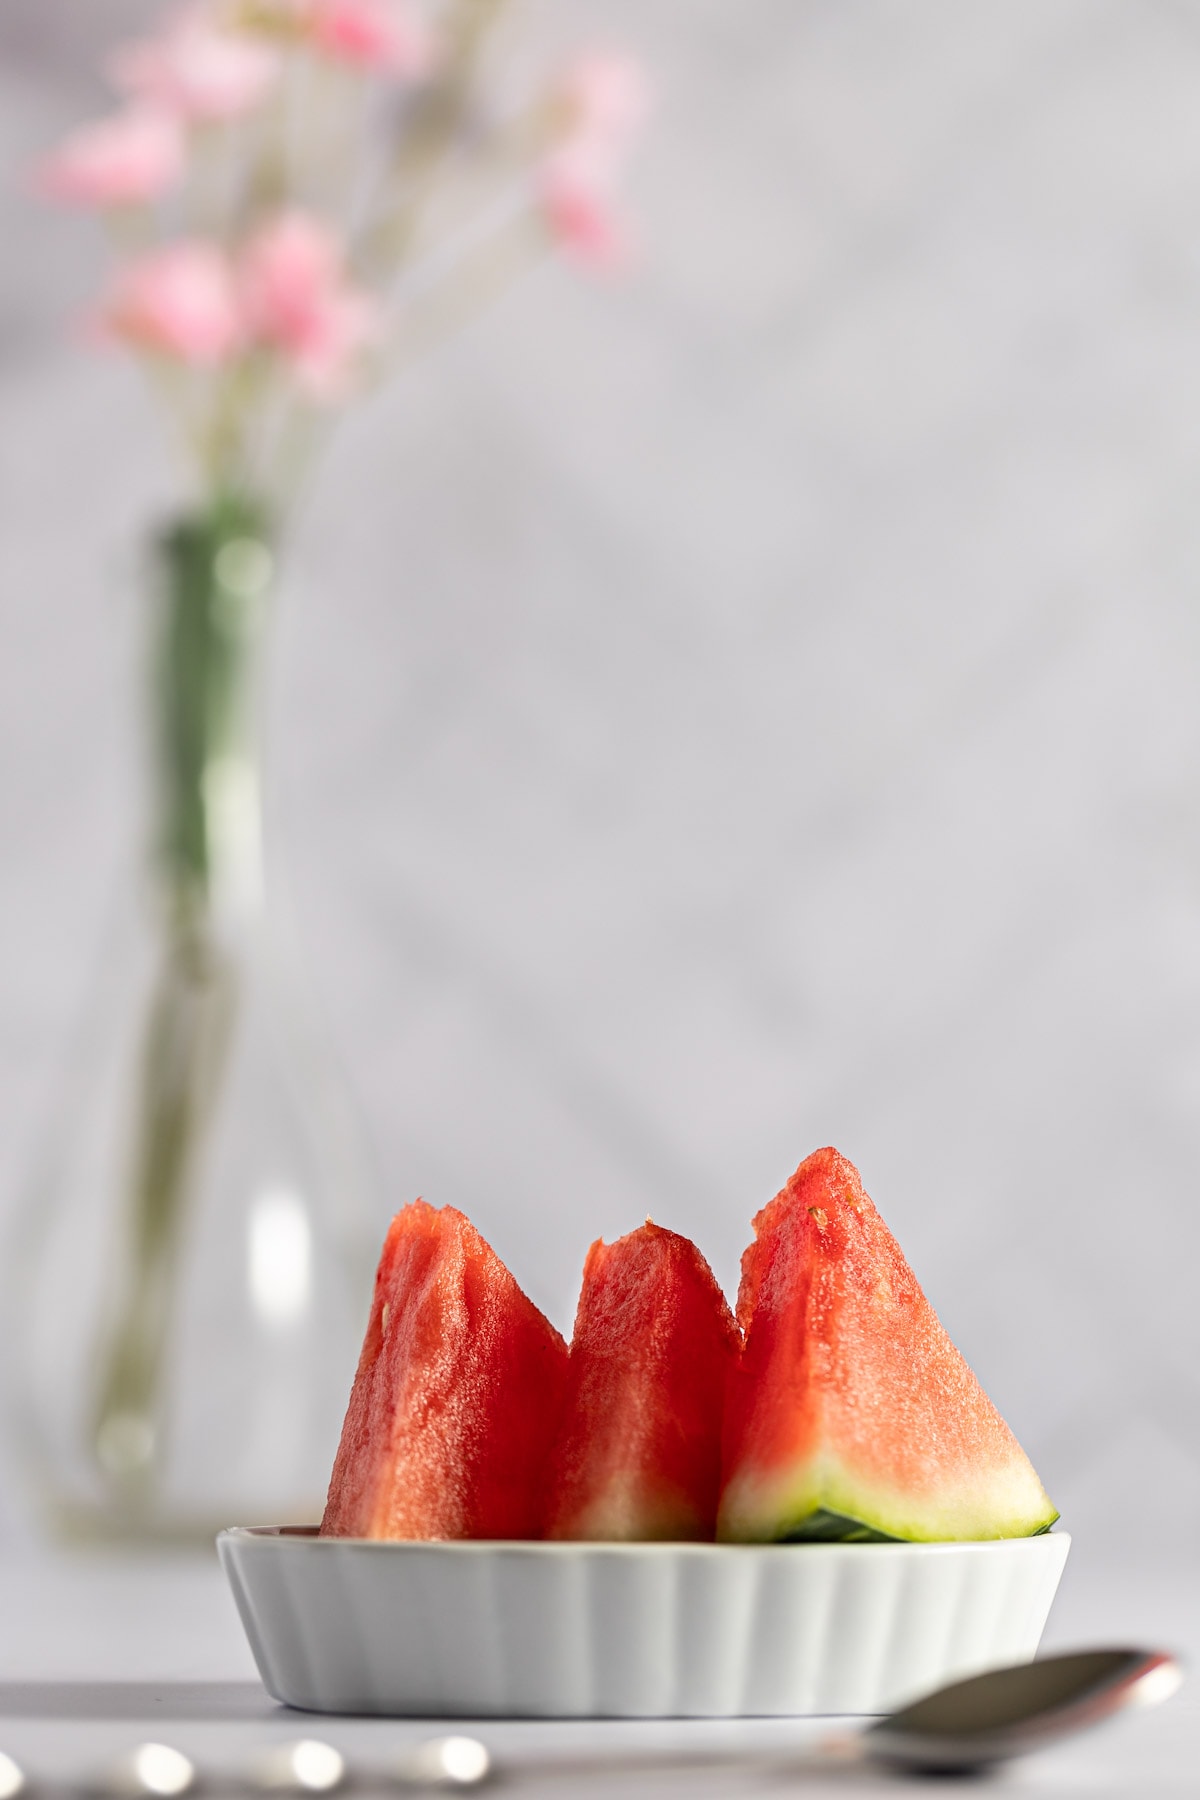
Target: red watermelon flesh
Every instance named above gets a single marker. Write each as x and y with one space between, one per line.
639 1456
851 1413
457 1397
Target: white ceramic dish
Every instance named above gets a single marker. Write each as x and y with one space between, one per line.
553 1630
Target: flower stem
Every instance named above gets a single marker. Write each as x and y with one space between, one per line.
186 1036
436 124
471 287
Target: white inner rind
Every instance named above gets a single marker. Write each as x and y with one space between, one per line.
1004 1502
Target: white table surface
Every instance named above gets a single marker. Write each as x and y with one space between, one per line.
99 1654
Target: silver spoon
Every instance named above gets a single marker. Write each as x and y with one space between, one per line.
963 1728
971 1725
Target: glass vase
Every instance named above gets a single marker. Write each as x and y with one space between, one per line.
188 1282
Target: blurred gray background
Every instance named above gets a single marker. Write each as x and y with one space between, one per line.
745 706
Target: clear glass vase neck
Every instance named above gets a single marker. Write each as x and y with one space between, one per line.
212 577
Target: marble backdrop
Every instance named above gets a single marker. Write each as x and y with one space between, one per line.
746 706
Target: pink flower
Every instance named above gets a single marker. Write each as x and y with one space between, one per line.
181 301
126 160
198 68
582 216
299 302
606 97
371 34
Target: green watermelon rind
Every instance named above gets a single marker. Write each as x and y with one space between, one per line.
834 1508
824 1527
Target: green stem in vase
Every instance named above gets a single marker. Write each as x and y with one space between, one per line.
216 568
186 1034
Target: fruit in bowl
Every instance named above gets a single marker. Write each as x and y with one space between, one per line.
637 1454
835 1408
811 1508
457 1398
851 1415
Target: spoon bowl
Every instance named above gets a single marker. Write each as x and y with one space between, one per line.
990 1718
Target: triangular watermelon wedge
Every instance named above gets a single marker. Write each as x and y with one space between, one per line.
456 1401
851 1414
639 1455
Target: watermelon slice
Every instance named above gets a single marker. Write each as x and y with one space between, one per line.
851 1414
457 1397
639 1456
